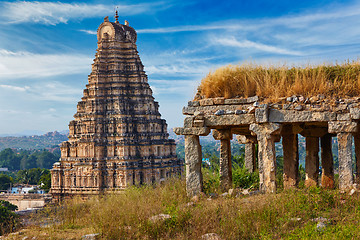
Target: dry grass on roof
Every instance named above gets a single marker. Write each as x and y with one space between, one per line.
272 83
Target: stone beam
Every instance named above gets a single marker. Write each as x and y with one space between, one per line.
344 130
193 158
291 155
327 162
229 120
267 156
199 131
312 161
225 157
292 116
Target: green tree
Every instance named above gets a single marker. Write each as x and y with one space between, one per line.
5 181
8 219
9 159
45 181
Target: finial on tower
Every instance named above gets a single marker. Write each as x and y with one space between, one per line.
106 19
116 16
126 23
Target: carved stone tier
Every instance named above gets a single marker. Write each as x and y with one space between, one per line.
117 137
317 120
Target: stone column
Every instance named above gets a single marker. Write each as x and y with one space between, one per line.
312 161
291 157
327 162
250 158
357 157
225 157
266 135
344 130
193 157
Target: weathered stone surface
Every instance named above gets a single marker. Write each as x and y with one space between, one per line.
210 109
193 103
267 154
226 120
210 236
188 122
345 161
193 159
242 139
206 102
93 236
342 126
198 123
219 101
327 176
237 101
312 161
262 115
291 116
343 117
355 113
222 134
160 217
291 159
199 131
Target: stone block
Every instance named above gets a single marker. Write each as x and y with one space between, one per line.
219 100
229 120
261 115
355 113
291 116
342 127
198 131
206 102
198 123
222 134
193 103
188 122
343 117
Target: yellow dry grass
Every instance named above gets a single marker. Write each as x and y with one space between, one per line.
272 83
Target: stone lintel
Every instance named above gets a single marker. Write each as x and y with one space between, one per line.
229 120
222 134
291 116
262 115
199 131
343 117
265 129
244 139
342 126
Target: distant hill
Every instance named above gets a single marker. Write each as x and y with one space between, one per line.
46 141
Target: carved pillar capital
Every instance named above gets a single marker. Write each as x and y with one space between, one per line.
222 134
265 129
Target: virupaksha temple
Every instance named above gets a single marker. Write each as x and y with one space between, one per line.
117 138
254 122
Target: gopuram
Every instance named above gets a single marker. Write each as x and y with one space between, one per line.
254 122
117 138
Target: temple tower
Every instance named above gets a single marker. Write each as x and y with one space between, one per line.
117 137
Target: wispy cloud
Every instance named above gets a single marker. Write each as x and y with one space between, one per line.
52 13
14 88
233 42
91 32
30 65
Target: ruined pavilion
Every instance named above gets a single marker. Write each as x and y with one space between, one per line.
117 138
252 121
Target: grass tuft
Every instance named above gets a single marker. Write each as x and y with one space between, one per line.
272 83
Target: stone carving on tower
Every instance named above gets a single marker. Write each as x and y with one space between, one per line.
117 138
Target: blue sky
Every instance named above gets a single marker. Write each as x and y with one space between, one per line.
46 48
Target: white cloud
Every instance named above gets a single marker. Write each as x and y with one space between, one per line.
14 88
232 42
52 13
91 32
32 65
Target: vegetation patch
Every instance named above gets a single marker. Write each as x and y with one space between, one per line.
272 83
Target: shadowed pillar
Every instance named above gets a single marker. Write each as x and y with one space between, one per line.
225 157
327 177
344 130
312 161
291 156
250 158
266 135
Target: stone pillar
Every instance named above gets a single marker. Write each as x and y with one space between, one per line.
312 161
266 135
344 130
327 162
193 157
291 157
225 157
250 158
357 157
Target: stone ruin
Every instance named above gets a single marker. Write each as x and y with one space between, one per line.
117 138
253 121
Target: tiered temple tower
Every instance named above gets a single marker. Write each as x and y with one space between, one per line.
117 138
